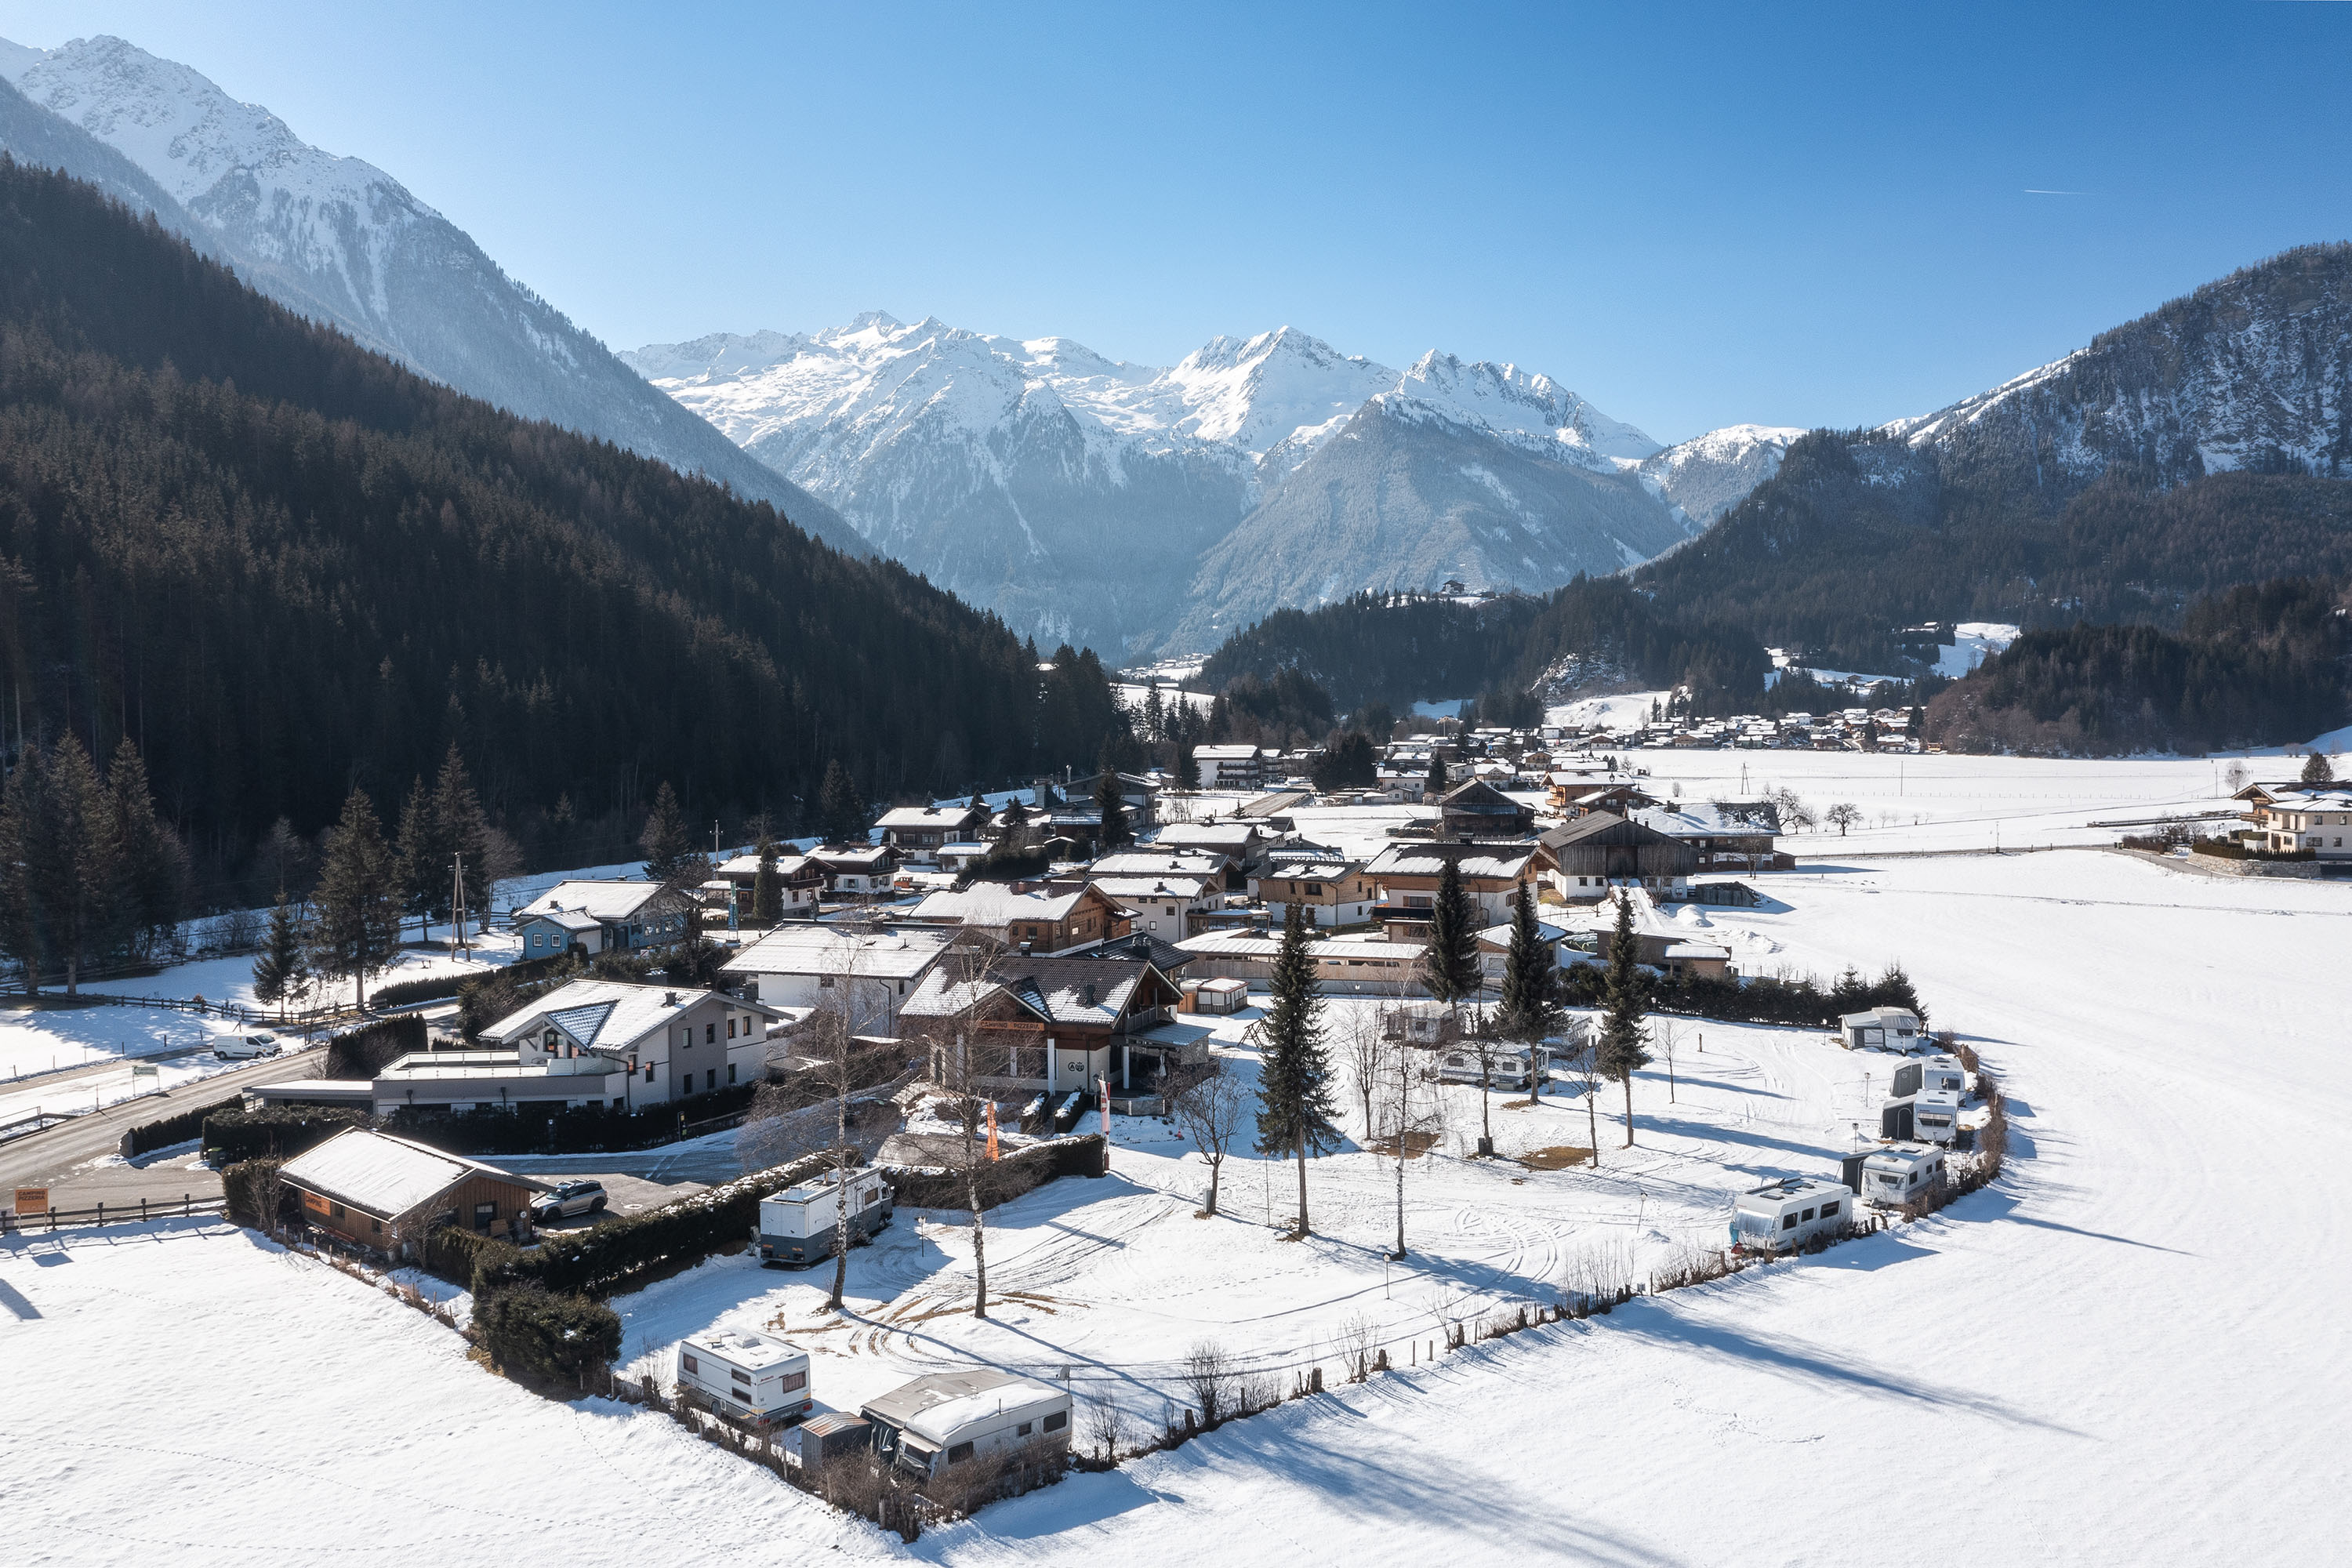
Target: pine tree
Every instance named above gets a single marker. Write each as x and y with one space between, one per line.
21 813
464 833
1621 1052
1014 831
283 968
1436 785
356 932
1113 806
1295 1114
670 858
2317 769
75 868
417 851
841 815
1452 960
154 863
1188 768
1531 1009
767 886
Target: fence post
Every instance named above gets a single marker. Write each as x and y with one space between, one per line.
101 1214
142 1211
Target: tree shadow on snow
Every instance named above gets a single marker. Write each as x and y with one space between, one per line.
1993 1204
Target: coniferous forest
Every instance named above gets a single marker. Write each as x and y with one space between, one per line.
282 566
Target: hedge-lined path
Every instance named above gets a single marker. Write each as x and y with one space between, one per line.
75 1159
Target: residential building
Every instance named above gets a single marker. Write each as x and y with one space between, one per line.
918 833
1160 902
1574 795
1494 950
2284 818
385 1193
1408 873
1230 767
857 871
866 974
1018 914
1729 835
801 883
1480 810
601 916
1058 1025
1332 890
1351 963
1586 856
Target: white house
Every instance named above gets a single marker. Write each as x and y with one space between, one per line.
1230 767
599 916
810 964
1782 1215
1162 902
592 1042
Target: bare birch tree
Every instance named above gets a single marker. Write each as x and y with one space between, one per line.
1212 1111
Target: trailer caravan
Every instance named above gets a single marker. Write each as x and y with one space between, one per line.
934 1426
1506 1066
797 1225
1880 1028
1900 1174
1930 1074
1934 1115
755 1378
1783 1216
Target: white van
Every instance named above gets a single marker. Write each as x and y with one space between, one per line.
797 1225
244 1047
929 1426
755 1378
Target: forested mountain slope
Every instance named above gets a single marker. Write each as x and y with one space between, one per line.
2207 444
284 564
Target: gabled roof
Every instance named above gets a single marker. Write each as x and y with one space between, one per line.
607 1016
1056 990
805 947
1699 819
1492 862
1605 826
995 904
1164 956
601 900
931 816
1162 886
1152 862
382 1175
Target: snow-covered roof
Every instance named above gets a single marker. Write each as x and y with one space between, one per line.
1211 835
1177 862
940 816
805 947
1486 862
995 904
380 1175
1698 818
1161 887
755 1354
937 1407
605 1016
598 902
1789 1190
1091 991
1500 935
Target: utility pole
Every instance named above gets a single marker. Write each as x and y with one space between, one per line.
457 907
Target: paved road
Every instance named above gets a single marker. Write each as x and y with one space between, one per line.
51 1158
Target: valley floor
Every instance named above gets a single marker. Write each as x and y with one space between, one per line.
2130 1352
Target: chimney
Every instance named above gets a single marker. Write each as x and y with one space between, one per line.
1024 947
1089 992
669 998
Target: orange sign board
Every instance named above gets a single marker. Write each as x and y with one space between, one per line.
32 1200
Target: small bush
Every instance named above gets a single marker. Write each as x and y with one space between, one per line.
545 1340
253 1195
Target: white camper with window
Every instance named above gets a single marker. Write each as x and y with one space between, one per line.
796 1225
1508 1067
936 1426
754 1378
1782 1215
1880 1028
1929 1074
1901 1174
1934 1115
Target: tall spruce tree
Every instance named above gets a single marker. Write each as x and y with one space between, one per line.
1297 1115
1531 1007
841 815
1115 833
78 870
283 967
356 931
1623 1052
670 856
767 884
2317 770
416 851
22 812
464 835
1436 783
1452 960
154 863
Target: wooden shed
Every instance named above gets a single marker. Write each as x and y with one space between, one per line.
385 1193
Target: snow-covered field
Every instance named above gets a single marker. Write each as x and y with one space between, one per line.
2131 1352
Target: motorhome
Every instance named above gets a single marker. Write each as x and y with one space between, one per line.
797 1226
1934 1115
1505 1067
1930 1074
1782 1215
1900 1174
755 1378
933 1426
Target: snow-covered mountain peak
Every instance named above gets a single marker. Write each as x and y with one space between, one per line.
1255 391
1510 401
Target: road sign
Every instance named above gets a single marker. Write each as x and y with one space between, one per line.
32 1200
145 1070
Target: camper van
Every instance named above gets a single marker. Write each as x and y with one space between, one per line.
1930 1074
1934 1115
1782 1215
1508 1068
1901 1174
933 1425
755 1378
1880 1028
796 1225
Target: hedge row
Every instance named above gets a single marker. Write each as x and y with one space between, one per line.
545 1340
175 1128
1763 999
2231 849
407 993
926 1187
280 1130
369 1049
581 1129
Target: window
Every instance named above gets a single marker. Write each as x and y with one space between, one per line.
1829 1211
1025 1429
1312 889
730 1072
485 1215
960 1453
710 1034
689 1363
334 1211
1057 1421
649 1072
1807 1214
375 1227
710 1078
739 1376
825 982
793 1381
730 1027
1787 1222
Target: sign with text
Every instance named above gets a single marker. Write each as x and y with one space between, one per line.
32 1200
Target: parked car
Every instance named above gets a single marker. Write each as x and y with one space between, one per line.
241 1048
567 1199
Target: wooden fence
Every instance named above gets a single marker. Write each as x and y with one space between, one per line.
13 1223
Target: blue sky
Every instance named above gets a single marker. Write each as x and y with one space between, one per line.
1695 215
